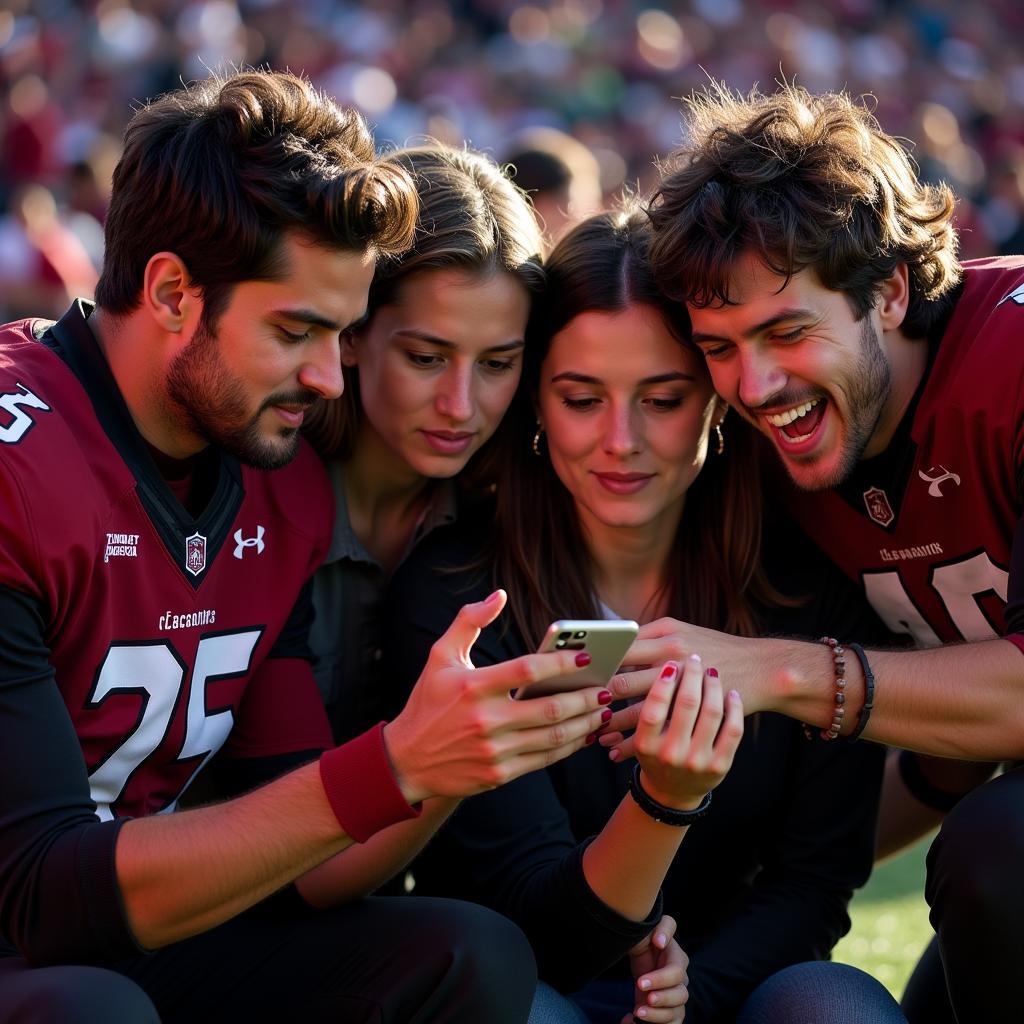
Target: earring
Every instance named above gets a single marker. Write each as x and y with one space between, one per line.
535 444
721 438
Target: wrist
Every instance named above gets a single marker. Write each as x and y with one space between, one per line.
660 812
361 788
675 800
401 769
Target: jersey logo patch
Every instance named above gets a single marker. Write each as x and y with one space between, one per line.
195 553
241 543
1017 295
935 482
878 506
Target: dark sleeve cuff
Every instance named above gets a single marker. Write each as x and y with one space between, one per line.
361 786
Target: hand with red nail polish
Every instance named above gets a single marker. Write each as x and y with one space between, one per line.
687 734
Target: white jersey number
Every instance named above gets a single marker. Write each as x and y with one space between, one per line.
156 671
958 584
21 423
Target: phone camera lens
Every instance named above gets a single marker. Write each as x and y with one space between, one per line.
565 635
580 633
560 643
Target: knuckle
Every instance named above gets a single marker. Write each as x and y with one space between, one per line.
557 735
553 710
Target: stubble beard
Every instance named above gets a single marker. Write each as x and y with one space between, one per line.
867 393
213 405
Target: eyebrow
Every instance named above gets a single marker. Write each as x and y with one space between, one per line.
310 316
433 339
794 313
659 378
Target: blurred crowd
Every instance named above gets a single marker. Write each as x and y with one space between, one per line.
946 75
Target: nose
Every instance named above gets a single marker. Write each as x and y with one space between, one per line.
621 436
760 377
454 399
321 372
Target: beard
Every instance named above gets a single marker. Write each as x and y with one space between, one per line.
867 393
867 389
213 404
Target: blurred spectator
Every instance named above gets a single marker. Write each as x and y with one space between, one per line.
43 264
561 176
947 75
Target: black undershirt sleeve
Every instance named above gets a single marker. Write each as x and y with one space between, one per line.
59 897
512 848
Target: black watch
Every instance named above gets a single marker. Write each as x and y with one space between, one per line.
660 812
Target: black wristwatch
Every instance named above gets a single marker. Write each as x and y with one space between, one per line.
658 811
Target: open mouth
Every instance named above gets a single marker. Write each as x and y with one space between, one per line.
798 424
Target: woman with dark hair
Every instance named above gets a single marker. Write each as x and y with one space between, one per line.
610 505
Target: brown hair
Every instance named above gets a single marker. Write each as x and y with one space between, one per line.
714 574
801 180
471 218
219 171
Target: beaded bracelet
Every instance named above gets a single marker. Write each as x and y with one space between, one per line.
838 709
869 691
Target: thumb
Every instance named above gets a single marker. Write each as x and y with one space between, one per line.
459 637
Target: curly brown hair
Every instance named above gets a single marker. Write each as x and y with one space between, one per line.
802 180
219 171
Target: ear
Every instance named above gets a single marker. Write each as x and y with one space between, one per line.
893 299
349 353
169 296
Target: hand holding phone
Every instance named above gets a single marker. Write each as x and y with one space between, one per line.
605 640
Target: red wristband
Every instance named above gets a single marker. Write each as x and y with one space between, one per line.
361 786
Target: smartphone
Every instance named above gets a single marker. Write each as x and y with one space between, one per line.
605 640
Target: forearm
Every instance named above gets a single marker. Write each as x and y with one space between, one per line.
180 874
964 701
627 861
364 867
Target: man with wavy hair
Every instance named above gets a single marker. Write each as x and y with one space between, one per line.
823 285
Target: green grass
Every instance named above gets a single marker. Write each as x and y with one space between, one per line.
890 920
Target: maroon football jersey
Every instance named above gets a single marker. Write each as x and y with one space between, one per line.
159 624
927 527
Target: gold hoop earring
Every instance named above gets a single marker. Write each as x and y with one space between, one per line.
535 444
721 438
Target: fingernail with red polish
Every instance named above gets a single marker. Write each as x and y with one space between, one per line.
582 659
606 715
713 672
591 738
669 670
604 697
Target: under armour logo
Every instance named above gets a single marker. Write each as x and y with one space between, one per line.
934 482
241 543
1017 295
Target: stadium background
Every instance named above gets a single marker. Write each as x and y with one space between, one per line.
946 75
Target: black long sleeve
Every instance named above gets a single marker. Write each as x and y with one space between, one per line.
59 899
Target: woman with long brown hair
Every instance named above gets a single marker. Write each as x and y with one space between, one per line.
610 504
428 374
